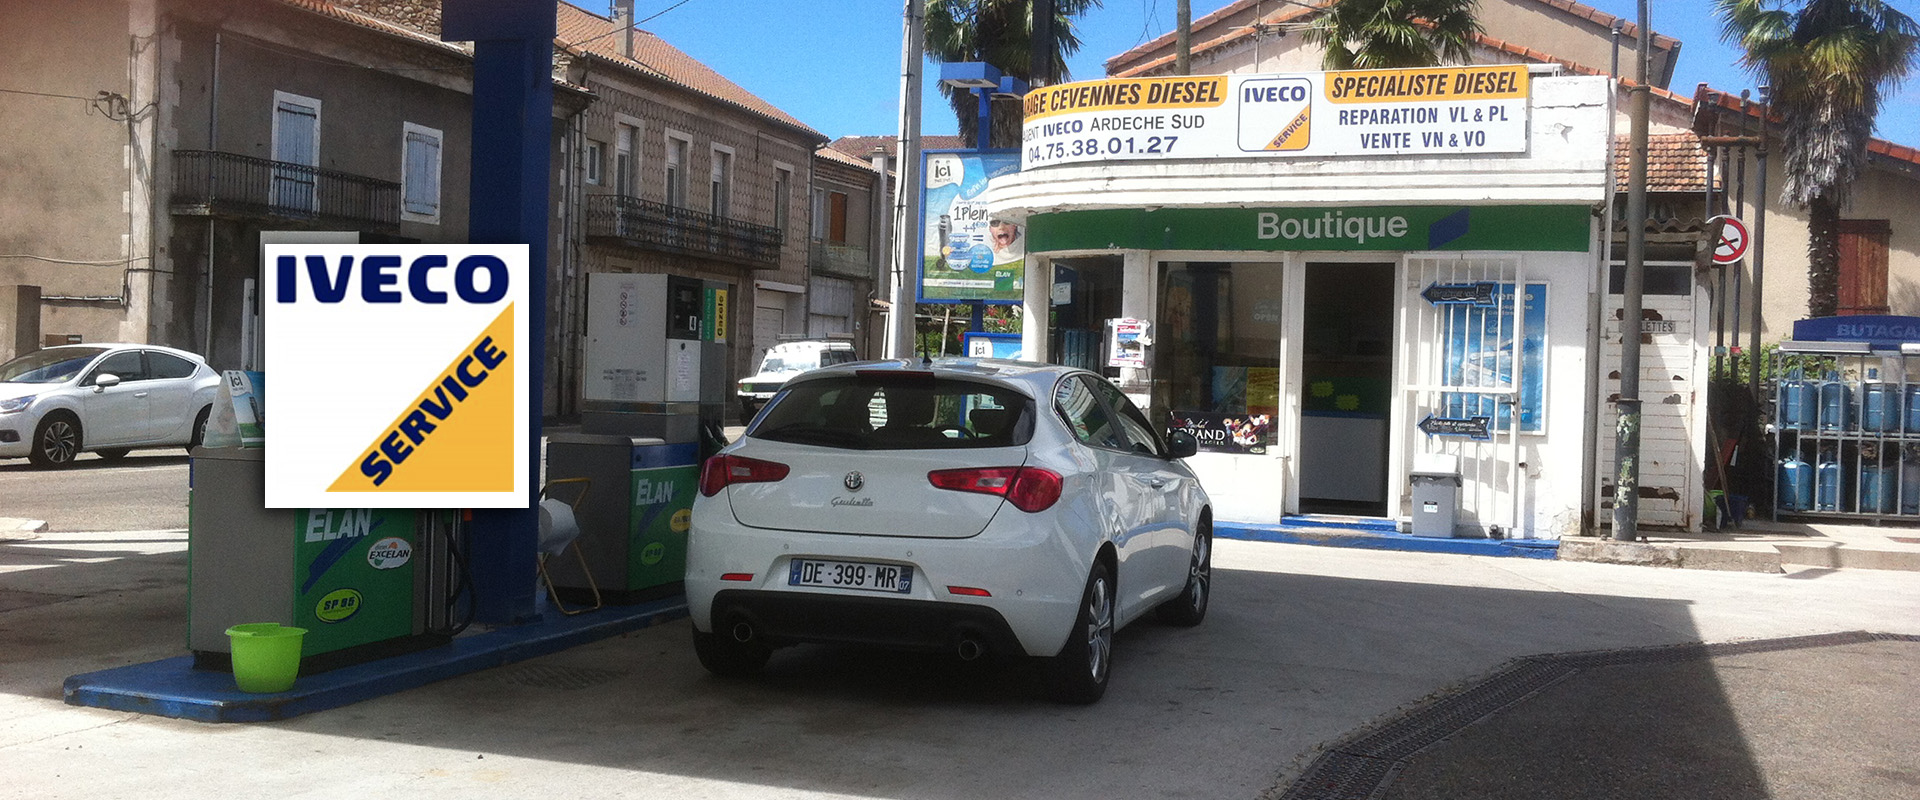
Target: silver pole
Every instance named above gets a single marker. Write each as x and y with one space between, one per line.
906 196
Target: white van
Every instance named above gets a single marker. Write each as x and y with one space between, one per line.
784 361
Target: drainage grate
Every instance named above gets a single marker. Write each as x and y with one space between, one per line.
1365 766
1342 776
1425 726
542 676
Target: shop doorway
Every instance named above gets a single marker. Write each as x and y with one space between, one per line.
1346 388
1085 294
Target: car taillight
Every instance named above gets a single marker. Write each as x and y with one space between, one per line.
1029 489
721 472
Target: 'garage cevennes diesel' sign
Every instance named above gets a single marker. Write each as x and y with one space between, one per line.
1437 111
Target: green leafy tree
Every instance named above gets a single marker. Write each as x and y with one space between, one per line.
1828 63
1000 33
1383 34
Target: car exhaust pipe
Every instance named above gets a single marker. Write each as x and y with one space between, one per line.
970 649
742 632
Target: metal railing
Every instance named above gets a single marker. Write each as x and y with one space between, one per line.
647 225
841 260
207 183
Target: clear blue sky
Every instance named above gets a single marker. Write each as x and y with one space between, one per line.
836 65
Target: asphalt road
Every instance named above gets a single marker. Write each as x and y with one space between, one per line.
147 490
1303 645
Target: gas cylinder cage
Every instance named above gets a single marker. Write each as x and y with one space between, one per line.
1845 422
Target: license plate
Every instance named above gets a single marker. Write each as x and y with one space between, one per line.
850 575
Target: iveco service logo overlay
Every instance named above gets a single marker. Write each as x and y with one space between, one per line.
398 375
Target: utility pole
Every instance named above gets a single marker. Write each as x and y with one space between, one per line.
1626 452
1183 38
906 193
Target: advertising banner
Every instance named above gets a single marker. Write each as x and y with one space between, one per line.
966 255
1436 111
397 374
1225 433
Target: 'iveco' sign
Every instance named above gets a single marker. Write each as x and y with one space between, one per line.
398 375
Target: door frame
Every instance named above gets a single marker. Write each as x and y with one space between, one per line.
1293 360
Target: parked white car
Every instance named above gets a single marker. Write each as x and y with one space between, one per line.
961 506
102 398
783 361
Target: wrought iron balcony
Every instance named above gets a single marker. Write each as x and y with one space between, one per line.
207 183
840 260
646 225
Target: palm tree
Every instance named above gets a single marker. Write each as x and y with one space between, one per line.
1380 34
998 32
1827 63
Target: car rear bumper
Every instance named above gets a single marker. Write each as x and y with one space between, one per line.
790 617
1032 573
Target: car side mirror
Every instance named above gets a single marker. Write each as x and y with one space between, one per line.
105 380
1181 444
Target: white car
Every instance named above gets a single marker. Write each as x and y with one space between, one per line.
961 506
104 398
783 361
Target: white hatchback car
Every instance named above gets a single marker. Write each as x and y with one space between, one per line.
105 398
961 506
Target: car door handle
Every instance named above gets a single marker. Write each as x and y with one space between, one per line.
1157 483
139 394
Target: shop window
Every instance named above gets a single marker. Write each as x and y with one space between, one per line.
1086 293
1217 353
1863 266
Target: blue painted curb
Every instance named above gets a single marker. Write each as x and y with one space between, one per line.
1371 540
173 688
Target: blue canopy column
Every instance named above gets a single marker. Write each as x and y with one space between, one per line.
508 204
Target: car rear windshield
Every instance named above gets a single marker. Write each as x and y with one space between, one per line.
48 366
897 411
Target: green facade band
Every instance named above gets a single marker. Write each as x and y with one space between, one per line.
1375 228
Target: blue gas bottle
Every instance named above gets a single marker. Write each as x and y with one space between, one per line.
1912 406
1797 403
1796 485
1877 487
1836 403
1880 407
1826 484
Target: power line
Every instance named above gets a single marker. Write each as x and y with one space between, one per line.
636 24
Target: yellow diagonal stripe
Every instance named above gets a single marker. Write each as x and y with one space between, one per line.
457 435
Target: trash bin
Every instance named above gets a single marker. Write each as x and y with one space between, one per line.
1436 494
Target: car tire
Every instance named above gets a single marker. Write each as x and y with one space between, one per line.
1190 607
1078 675
56 441
112 453
727 658
199 428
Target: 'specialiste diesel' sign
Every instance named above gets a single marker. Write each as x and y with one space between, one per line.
1436 111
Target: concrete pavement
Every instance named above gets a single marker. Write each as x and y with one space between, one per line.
1304 646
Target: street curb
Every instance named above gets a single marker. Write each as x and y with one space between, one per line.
1369 540
13 529
1608 551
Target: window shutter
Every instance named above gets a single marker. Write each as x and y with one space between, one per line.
1863 266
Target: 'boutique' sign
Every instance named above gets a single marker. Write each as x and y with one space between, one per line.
1434 111
398 375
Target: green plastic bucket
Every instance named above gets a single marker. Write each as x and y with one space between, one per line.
266 656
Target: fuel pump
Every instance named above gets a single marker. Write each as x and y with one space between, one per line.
655 387
365 583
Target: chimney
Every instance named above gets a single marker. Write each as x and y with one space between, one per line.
623 23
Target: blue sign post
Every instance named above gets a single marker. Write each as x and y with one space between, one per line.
512 128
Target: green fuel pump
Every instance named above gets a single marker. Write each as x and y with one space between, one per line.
365 583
